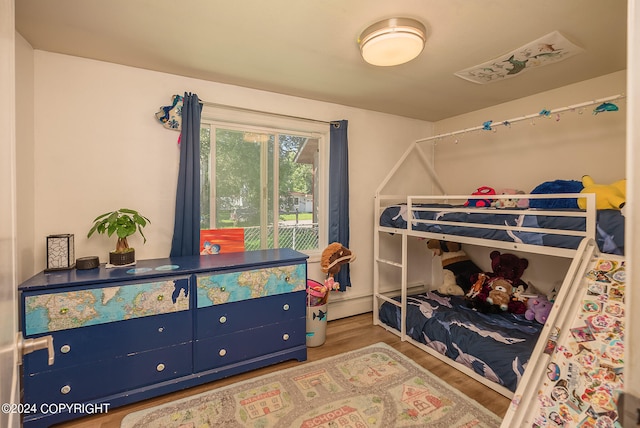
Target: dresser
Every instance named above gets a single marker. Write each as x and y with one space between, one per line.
126 334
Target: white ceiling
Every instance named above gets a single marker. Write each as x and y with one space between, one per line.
308 48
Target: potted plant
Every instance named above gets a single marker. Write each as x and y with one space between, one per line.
123 222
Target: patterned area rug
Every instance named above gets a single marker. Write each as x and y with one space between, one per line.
374 386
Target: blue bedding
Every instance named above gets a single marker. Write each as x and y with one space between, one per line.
610 226
496 346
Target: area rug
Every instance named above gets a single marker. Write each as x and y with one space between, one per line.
374 386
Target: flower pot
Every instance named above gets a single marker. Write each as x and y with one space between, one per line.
124 258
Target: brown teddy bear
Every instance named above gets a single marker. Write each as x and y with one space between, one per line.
500 293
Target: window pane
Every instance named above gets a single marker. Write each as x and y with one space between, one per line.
237 183
205 177
297 194
268 190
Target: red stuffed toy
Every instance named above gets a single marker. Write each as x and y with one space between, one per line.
492 291
482 202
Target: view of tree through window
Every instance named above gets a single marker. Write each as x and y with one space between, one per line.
263 182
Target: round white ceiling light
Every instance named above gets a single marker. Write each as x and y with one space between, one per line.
392 41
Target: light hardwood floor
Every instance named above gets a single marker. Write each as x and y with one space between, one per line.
343 335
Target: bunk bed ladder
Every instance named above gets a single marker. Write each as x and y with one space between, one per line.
376 266
402 265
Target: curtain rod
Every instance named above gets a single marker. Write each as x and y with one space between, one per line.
527 117
248 110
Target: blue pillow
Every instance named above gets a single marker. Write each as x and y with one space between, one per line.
556 186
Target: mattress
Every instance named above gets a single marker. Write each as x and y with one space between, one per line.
495 346
610 225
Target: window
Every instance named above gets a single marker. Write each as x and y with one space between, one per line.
265 180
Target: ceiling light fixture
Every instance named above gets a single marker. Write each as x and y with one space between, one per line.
392 41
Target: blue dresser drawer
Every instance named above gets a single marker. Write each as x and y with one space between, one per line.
223 350
76 307
108 341
228 287
88 381
237 316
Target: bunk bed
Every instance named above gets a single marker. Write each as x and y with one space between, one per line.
492 348
498 350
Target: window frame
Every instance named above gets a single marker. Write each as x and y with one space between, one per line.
251 121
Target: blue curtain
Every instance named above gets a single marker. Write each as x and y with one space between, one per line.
339 193
186 229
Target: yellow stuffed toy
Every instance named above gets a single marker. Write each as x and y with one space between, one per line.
608 197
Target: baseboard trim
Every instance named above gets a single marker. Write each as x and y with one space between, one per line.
344 308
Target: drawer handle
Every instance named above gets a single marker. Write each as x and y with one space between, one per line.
65 349
65 389
285 336
160 329
160 367
223 319
286 307
222 352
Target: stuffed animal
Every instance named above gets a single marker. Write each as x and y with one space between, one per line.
482 202
518 293
456 261
449 285
511 202
500 293
621 185
477 286
509 267
538 308
506 267
332 259
608 196
556 186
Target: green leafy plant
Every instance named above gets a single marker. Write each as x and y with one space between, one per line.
123 222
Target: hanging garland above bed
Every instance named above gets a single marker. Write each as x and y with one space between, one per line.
603 105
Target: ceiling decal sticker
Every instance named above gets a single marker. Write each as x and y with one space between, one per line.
552 48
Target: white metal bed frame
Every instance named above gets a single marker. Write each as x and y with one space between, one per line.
580 256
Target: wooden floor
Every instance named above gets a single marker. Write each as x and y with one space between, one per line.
343 335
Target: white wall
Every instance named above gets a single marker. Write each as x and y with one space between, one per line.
530 152
25 158
98 147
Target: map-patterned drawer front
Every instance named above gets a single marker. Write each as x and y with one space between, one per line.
108 341
250 284
232 348
237 316
72 307
82 383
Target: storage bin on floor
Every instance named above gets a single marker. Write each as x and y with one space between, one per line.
316 325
